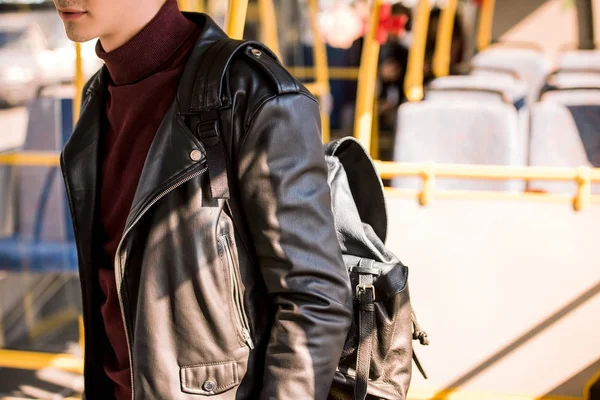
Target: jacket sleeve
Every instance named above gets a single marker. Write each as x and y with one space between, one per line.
284 192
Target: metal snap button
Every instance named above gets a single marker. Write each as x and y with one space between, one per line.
256 52
195 155
209 386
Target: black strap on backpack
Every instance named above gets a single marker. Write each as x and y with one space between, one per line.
202 106
203 113
365 296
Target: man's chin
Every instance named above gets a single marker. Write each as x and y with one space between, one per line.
76 35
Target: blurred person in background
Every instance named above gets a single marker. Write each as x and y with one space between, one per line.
457 47
392 71
173 307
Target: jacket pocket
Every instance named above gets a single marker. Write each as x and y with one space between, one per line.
209 379
236 293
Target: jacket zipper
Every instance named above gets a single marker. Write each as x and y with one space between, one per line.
236 292
118 264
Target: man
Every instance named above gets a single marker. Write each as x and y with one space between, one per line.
175 305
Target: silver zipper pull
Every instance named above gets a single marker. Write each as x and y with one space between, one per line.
247 337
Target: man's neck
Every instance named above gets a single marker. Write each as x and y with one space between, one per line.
135 23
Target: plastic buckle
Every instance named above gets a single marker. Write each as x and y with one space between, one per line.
208 132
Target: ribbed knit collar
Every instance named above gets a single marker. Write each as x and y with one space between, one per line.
145 53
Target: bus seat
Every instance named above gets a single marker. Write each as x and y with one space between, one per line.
43 237
583 103
562 80
529 65
478 87
580 96
556 142
579 60
467 132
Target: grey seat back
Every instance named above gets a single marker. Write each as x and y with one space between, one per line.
556 142
478 87
569 80
579 60
468 132
583 104
529 65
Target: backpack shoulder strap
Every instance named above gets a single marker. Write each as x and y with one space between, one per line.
210 93
212 83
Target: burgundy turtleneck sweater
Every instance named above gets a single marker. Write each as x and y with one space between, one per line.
144 76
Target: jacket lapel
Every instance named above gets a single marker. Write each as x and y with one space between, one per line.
79 160
170 156
174 152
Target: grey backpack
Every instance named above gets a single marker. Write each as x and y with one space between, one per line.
376 361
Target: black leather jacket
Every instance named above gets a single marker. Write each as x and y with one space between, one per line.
205 316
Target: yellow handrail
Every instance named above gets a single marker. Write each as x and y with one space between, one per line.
365 96
583 176
443 43
413 83
235 20
31 158
268 23
390 169
486 20
30 360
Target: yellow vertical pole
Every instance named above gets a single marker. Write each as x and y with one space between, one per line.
320 65
374 151
367 80
236 18
268 24
583 197
484 36
81 336
443 43
200 6
413 83
79 82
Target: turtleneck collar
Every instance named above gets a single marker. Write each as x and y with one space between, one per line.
145 53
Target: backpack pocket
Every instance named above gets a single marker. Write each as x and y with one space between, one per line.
388 331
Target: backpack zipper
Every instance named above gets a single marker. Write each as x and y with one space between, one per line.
118 263
236 292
